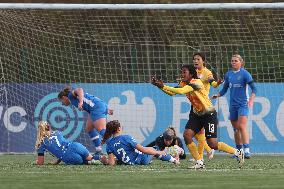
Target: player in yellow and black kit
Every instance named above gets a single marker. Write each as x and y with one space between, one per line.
208 80
202 115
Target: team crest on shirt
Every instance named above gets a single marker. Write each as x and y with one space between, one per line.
137 119
239 77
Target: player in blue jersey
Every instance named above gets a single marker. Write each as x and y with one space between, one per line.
126 150
71 153
238 79
96 108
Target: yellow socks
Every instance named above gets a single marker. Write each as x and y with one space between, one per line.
193 151
226 148
207 148
201 143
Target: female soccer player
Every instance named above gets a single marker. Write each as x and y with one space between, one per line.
208 80
97 109
126 150
203 114
237 80
71 153
169 140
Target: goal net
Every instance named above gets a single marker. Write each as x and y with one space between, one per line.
113 53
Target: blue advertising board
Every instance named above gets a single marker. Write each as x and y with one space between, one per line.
144 111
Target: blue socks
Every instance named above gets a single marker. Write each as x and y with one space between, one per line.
102 132
239 146
246 148
95 137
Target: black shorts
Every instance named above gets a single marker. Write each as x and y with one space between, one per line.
209 121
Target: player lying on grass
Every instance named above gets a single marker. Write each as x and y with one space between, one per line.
71 153
170 143
126 150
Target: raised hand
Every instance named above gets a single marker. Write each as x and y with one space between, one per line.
153 80
159 83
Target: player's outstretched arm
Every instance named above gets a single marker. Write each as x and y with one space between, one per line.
184 90
149 150
159 83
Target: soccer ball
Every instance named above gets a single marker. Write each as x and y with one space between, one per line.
174 151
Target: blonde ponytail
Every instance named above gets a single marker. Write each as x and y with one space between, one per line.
42 132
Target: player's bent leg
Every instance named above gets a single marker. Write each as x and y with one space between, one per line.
100 125
94 135
79 149
99 116
209 151
238 153
188 135
72 158
201 142
146 159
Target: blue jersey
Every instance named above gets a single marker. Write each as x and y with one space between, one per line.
89 101
56 144
238 82
124 149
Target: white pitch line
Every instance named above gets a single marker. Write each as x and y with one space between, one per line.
144 170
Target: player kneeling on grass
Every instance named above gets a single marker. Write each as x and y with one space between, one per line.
71 153
126 150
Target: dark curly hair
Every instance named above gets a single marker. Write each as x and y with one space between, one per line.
64 92
111 128
191 69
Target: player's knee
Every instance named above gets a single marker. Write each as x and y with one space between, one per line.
235 130
213 145
187 137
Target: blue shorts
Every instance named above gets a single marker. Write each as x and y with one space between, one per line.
76 154
143 159
236 112
100 111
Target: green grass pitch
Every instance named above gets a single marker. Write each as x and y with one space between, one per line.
18 171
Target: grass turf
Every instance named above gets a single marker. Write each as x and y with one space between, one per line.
19 171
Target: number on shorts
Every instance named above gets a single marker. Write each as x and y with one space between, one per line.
211 127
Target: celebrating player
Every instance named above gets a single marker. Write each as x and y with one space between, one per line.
203 114
237 80
97 109
71 153
208 80
126 150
